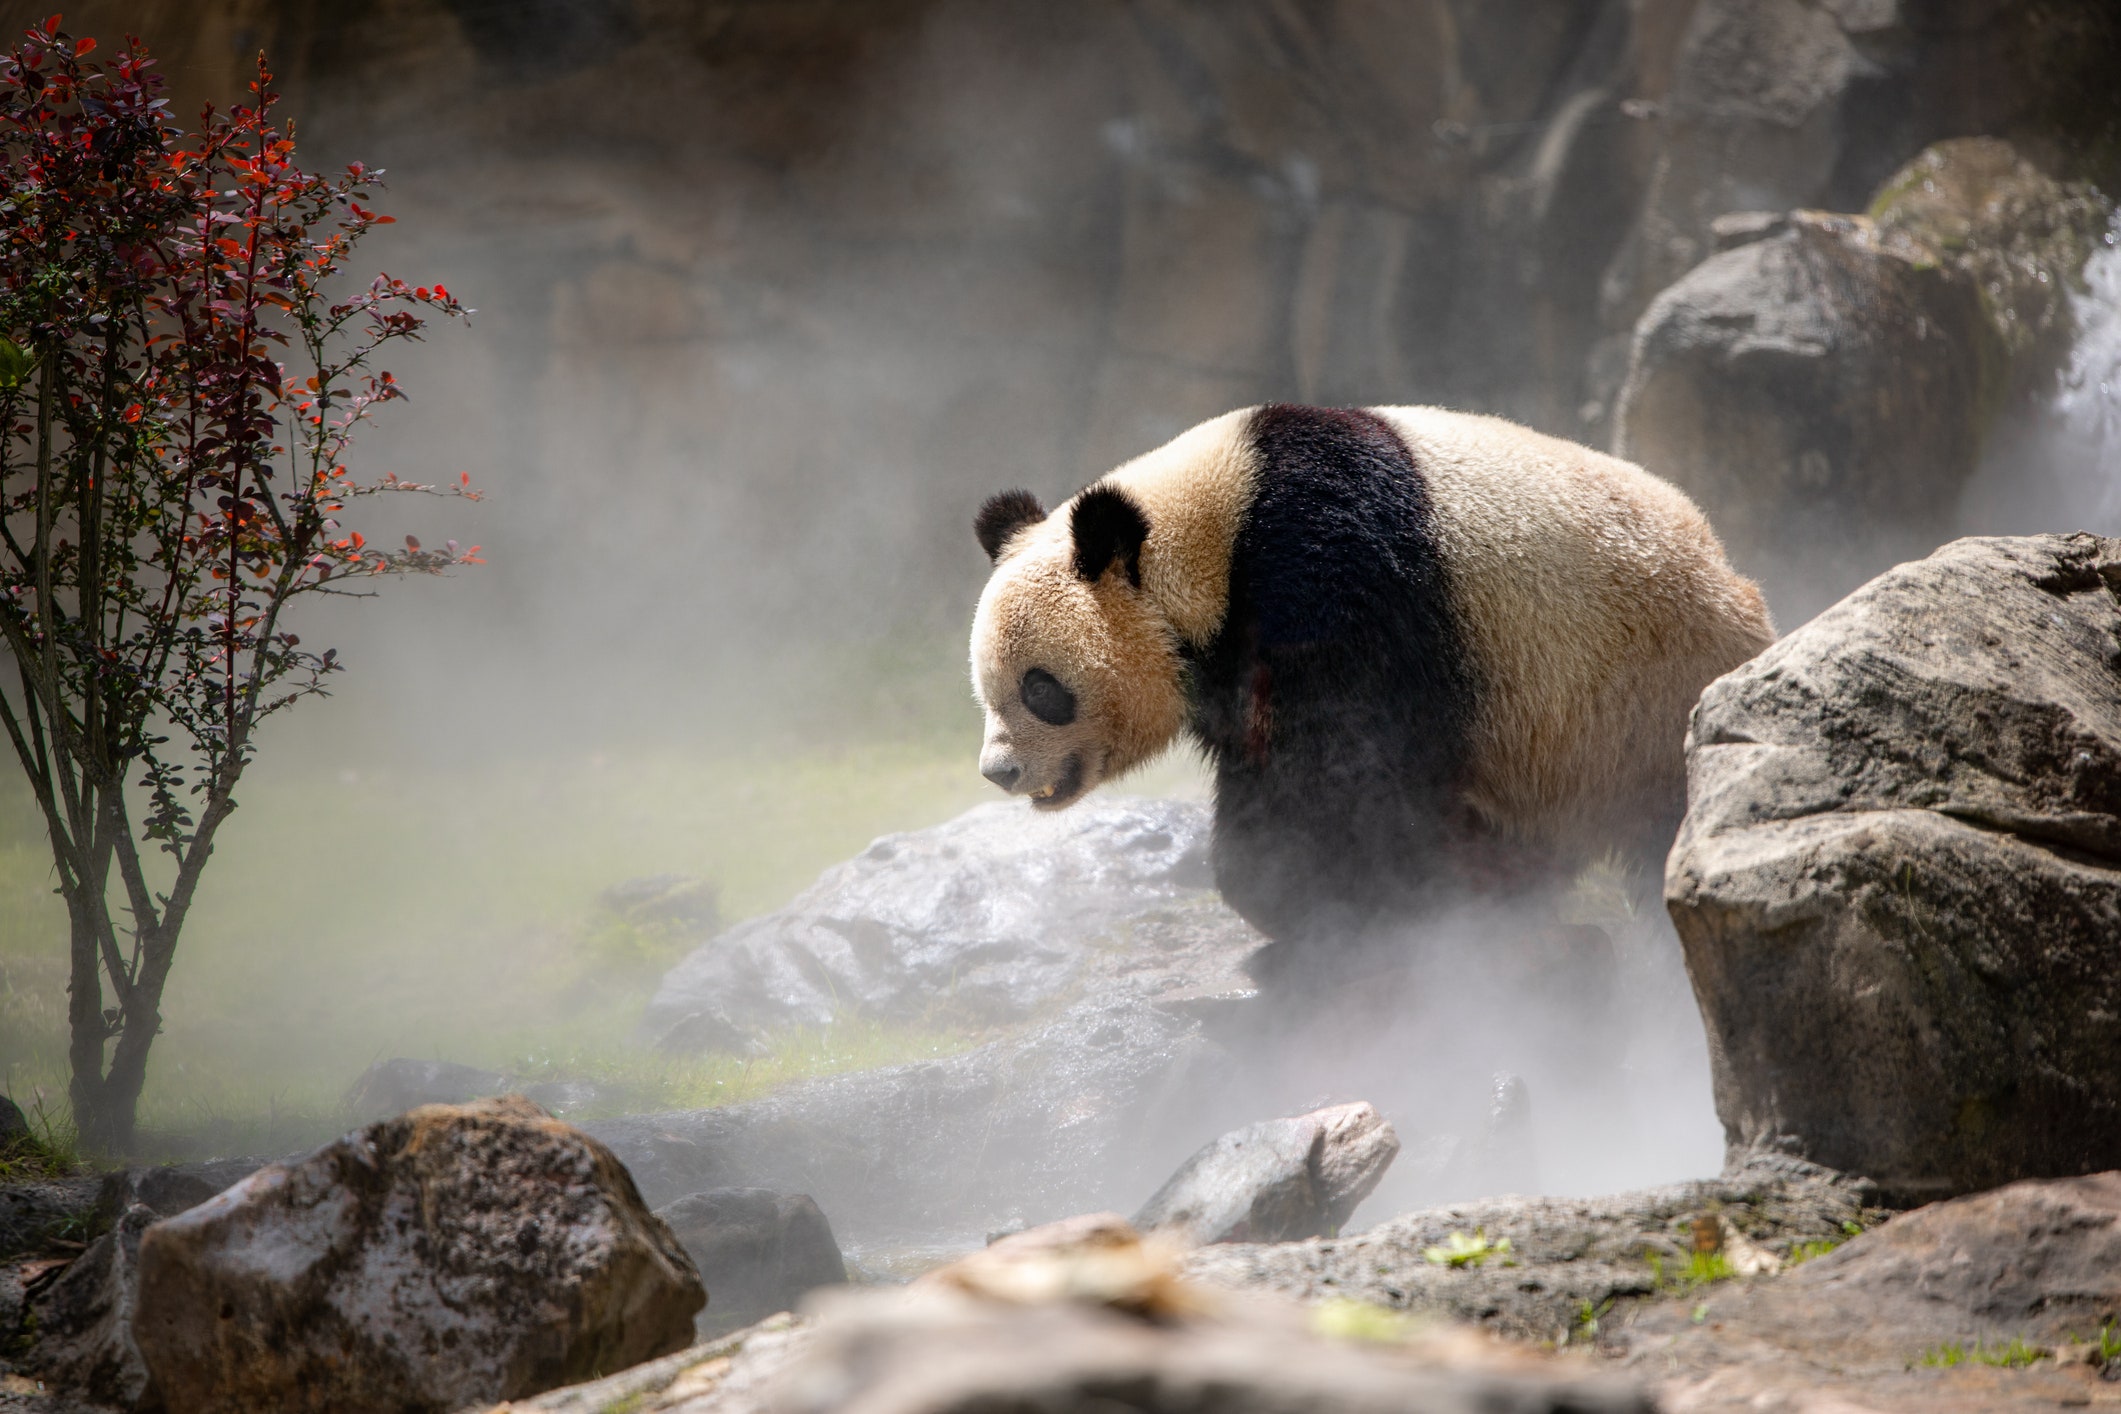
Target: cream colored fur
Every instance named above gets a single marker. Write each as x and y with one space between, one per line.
1597 604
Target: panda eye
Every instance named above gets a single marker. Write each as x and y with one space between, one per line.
1047 699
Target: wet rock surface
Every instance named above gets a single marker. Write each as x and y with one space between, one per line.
980 921
1275 1181
758 1251
1899 880
454 1255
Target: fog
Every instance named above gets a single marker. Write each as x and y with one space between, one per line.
767 300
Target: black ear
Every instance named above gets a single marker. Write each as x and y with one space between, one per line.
1108 525
1005 513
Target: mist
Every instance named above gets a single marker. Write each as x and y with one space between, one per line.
768 299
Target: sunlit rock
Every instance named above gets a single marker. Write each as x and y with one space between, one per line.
1276 1181
452 1256
977 921
1899 879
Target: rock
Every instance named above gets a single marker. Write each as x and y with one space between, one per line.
978 921
32 1213
1819 392
1085 1318
451 1256
1899 879
676 901
85 1320
2036 1262
391 1087
1505 1159
14 1125
1276 1181
758 1251
1053 1119
1825 385
1566 1256
166 1189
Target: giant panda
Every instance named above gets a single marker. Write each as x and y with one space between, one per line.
1423 650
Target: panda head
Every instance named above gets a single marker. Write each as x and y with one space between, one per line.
1076 668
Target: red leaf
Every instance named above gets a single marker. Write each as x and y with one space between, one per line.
412 543
84 47
51 26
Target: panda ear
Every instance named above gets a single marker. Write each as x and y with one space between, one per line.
1005 513
1108 525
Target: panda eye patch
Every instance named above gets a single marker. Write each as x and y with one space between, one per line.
1046 699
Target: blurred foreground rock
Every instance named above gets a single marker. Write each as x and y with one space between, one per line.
1086 1318
1276 1181
758 1251
978 921
1899 880
450 1256
84 1321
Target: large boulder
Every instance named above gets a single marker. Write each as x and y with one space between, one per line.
981 920
1898 883
455 1255
1276 1181
1825 387
758 1251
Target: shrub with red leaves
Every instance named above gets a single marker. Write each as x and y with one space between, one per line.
182 368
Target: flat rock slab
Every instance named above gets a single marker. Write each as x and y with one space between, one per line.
1566 1257
983 920
1276 1181
2036 1262
452 1256
1899 880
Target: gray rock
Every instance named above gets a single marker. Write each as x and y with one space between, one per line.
1566 1256
1822 394
758 1251
1076 1114
978 921
166 1189
2037 1262
453 1256
1899 880
677 901
1276 1181
14 1125
85 1320
391 1087
33 1212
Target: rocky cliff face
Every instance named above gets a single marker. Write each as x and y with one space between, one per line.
822 272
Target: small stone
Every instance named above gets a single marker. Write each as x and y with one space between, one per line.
757 1250
1277 1181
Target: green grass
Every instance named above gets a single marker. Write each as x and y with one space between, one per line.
1700 1269
1804 1251
360 907
2016 1354
1461 1250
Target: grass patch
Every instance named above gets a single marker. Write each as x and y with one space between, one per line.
1804 1251
363 906
2016 1354
1700 1269
1461 1250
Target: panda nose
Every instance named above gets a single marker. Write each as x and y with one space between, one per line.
1003 774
